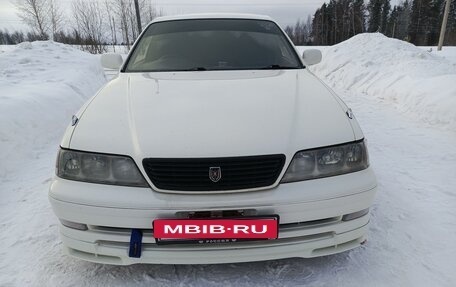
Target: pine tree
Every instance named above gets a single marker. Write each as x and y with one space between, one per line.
359 16
435 22
392 24
419 22
384 14
337 21
403 21
450 35
375 14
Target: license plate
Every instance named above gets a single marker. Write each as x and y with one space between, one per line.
215 230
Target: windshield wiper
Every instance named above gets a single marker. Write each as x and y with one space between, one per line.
195 69
277 67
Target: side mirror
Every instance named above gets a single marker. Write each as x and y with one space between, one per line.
111 61
311 57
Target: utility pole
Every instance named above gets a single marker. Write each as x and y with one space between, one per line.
444 23
138 16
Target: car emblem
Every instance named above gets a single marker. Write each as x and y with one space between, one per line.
215 173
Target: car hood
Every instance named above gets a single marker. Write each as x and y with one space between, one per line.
211 114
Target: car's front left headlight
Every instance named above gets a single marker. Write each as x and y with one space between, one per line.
327 161
99 168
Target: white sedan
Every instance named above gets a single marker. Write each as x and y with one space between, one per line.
214 144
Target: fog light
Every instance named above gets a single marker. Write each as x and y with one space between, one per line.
74 225
355 215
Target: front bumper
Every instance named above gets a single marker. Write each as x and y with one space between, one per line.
310 220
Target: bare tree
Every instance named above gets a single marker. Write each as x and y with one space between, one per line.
35 14
90 21
56 17
149 11
121 10
112 24
132 18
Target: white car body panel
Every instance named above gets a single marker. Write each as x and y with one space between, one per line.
206 114
319 202
153 115
220 111
143 198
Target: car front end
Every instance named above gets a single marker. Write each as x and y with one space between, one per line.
317 217
212 142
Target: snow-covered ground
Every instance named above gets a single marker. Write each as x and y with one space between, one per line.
409 78
448 53
6 48
413 227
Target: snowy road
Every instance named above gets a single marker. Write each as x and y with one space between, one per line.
412 232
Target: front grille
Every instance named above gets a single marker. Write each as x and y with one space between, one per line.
192 174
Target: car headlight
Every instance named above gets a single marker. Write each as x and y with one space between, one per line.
327 161
98 168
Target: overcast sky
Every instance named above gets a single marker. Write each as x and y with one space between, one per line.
284 11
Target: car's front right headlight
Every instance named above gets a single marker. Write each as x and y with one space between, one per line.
99 168
327 161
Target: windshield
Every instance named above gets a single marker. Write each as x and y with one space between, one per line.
212 44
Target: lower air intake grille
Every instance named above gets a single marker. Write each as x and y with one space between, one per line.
211 174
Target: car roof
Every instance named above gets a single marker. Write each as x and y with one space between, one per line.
212 16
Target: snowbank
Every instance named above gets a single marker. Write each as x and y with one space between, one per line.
410 78
42 85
